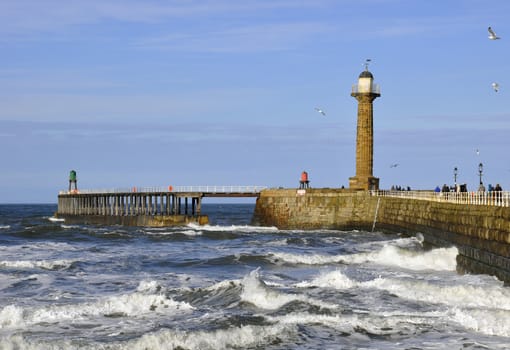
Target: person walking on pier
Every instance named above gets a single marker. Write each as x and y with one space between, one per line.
73 180
498 190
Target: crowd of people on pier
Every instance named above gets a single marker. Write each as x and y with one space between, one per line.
400 188
463 188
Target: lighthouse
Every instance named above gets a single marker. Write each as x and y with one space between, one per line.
365 92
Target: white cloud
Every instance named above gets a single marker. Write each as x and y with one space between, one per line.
27 17
263 37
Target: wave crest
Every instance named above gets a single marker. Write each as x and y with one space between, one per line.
440 259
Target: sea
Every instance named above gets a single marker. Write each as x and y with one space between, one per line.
231 285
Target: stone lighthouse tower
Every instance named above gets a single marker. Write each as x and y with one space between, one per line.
365 92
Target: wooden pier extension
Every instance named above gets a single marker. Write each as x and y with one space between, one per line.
152 207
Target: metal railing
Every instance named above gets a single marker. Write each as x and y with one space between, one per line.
495 198
375 89
171 189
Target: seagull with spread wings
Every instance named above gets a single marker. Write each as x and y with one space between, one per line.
492 34
320 111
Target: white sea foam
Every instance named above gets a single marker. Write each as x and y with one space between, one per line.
129 305
235 337
490 322
460 295
232 228
5 227
69 226
54 219
464 295
231 338
224 284
11 316
40 248
191 233
170 233
307 259
333 279
484 309
33 264
148 287
278 243
441 259
403 242
256 292
375 324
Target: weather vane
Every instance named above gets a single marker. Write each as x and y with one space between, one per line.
367 62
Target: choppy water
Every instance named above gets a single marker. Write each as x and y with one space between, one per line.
234 286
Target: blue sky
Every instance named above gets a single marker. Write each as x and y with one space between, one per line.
157 93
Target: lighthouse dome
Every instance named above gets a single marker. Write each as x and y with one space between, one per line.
366 74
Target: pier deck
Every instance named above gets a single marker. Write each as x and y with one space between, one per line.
163 204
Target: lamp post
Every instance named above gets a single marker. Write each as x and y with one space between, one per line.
455 172
481 188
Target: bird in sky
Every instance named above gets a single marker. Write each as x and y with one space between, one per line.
492 35
495 86
477 152
320 111
394 165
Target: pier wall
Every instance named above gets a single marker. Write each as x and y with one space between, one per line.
480 232
141 220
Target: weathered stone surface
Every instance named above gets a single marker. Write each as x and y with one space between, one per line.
141 220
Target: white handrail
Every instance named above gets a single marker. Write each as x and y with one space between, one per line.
172 189
495 198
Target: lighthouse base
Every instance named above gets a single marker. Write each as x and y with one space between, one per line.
364 183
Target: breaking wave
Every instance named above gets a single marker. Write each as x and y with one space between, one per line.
485 310
440 259
233 228
35 264
144 300
256 292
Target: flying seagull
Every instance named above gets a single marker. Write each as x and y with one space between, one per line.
477 152
492 35
320 111
495 86
394 165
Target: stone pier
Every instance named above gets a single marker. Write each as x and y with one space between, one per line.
479 226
